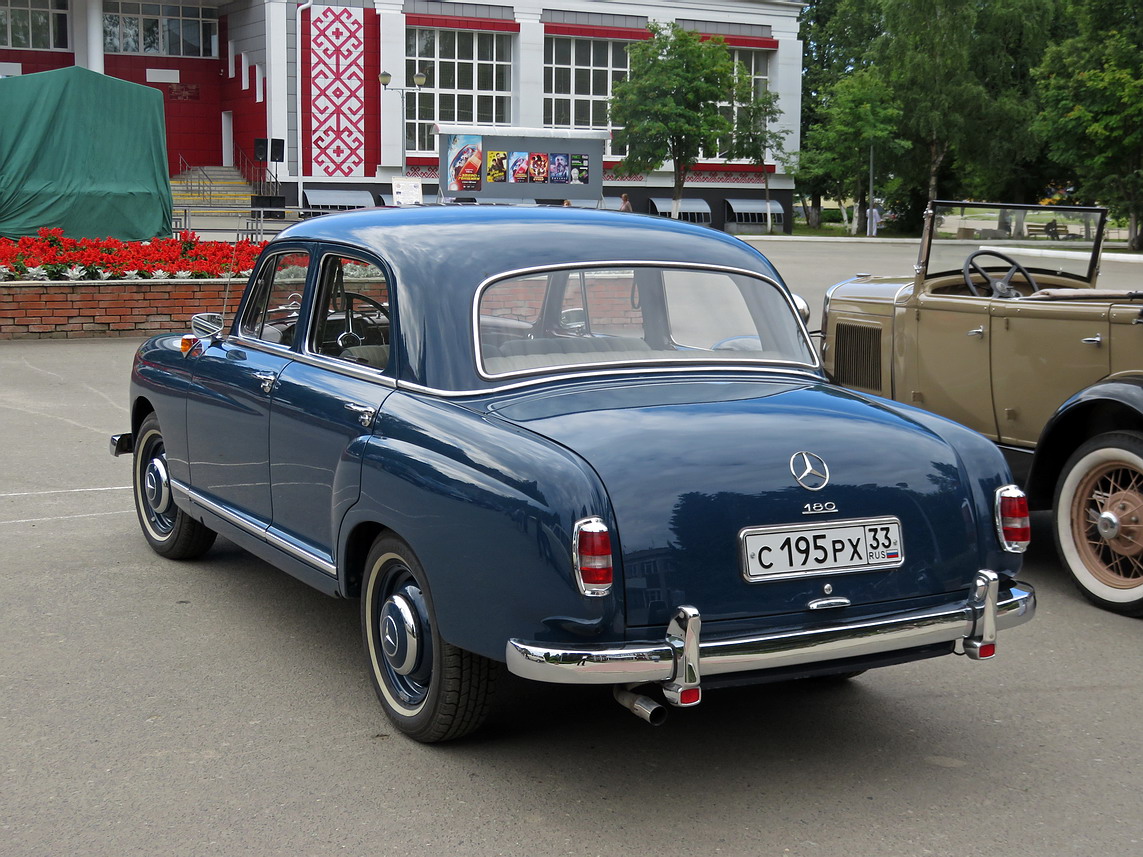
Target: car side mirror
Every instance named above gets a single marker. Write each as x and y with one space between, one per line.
802 307
204 325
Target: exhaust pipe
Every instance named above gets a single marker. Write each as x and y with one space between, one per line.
641 706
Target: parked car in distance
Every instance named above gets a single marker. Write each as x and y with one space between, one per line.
1004 328
597 448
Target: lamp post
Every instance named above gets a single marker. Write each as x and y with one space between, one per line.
419 79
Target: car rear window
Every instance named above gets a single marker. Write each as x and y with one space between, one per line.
642 314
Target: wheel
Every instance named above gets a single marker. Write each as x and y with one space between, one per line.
430 690
1099 520
169 530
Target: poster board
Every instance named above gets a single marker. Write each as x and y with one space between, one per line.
407 192
520 163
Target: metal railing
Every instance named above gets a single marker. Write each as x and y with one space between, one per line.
196 181
256 175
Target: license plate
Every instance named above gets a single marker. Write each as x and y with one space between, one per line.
795 550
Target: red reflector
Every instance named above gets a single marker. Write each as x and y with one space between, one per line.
988 650
691 695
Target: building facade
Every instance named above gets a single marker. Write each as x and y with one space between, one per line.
354 89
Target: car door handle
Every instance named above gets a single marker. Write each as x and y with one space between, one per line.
979 331
267 379
365 414
1093 340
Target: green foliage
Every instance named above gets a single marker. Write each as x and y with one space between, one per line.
684 96
1092 91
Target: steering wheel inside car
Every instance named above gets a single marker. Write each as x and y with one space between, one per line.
353 337
1002 287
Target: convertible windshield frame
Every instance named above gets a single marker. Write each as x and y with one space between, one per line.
1065 240
580 325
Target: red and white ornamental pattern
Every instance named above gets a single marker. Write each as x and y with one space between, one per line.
337 91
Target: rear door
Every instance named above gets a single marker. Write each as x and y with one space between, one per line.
325 405
1043 352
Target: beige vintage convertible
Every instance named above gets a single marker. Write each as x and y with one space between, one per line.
1002 327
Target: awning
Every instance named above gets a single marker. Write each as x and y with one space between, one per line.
691 206
754 206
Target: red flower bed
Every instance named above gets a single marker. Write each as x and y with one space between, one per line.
51 256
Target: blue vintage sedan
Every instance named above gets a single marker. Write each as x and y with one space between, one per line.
597 448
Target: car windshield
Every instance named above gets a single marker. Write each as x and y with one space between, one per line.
635 314
1051 238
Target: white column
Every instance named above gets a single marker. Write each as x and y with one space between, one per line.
87 27
528 72
277 72
392 22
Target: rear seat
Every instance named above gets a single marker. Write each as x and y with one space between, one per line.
520 354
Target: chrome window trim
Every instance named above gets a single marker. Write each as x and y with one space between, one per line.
255 530
596 371
360 371
622 263
262 345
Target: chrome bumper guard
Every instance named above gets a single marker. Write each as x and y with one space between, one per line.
681 659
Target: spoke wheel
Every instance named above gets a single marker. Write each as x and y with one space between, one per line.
430 690
169 530
1099 520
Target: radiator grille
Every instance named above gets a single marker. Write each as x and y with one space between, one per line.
857 356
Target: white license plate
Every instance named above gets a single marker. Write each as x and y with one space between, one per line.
795 550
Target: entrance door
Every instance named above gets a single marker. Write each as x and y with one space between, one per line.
227 138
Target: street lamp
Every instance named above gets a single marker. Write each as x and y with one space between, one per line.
419 79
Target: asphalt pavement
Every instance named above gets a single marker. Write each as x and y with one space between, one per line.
219 707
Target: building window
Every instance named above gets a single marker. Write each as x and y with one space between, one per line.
468 81
150 28
578 76
757 65
39 25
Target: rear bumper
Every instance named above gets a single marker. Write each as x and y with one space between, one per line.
683 657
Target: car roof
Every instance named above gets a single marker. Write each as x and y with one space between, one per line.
440 254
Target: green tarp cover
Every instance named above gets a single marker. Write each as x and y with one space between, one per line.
84 152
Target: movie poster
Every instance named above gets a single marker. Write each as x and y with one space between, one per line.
558 168
464 162
538 167
579 171
518 167
497 167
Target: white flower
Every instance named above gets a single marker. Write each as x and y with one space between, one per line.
75 272
37 273
5 272
105 275
182 275
247 272
131 275
159 274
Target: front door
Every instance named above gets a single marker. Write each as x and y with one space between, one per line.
950 373
228 407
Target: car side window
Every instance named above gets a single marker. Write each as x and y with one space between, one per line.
276 299
353 312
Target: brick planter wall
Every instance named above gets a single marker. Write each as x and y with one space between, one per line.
66 310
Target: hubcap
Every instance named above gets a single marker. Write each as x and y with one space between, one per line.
157 486
400 634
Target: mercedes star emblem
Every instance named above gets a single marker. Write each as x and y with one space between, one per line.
810 470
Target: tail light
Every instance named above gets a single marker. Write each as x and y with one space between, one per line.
591 555
1012 523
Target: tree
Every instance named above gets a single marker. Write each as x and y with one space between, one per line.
859 116
924 59
1092 91
673 105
